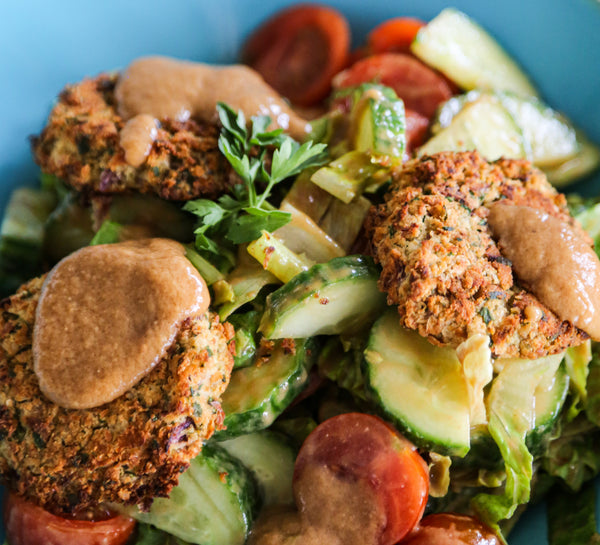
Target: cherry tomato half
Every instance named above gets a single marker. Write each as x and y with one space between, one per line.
28 524
299 50
394 35
421 89
357 477
417 126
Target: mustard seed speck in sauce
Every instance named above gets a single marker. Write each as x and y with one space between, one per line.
170 88
107 314
553 261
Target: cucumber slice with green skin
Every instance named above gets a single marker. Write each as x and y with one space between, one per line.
485 125
419 386
22 230
462 50
22 236
585 162
339 296
271 457
550 396
379 122
550 136
214 503
258 394
449 109
245 344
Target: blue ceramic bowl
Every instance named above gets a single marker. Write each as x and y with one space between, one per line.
44 45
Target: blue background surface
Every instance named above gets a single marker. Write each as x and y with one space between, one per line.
44 45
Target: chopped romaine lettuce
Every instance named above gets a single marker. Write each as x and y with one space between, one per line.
574 454
109 233
475 356
572 517
511 415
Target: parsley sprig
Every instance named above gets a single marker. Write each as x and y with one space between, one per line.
241 216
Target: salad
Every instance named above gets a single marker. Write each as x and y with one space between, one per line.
378 363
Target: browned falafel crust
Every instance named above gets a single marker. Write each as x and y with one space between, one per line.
80 145
441 265
127 451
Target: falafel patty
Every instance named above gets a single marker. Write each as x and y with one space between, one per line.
127 451
80 145
441 265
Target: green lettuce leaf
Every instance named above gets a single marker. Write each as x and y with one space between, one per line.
572 517
109 233
343 367
511 415
574 454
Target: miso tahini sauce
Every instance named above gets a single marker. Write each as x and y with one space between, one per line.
160 87
107 315
552 260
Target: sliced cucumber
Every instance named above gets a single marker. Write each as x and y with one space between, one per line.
550 395
550 136
245 326
553 140
447 111
378 124
271 457
246 281
330 298
462 50
22 230
258 394
585 162
214 503
485 125
419 386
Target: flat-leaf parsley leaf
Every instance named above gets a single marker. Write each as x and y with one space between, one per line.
241 216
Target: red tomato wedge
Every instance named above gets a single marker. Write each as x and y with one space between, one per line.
421 89
451 529
299 50
28 524
358 478
394 35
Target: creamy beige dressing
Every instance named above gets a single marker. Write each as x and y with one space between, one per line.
106 316
553 261
136 138
278 526
170 88
333 508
